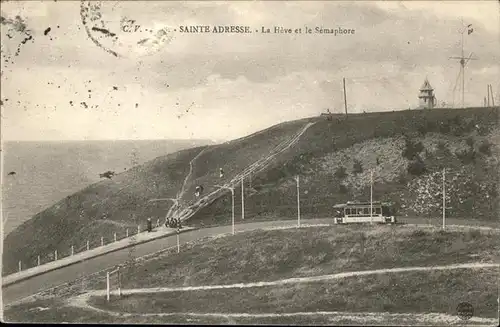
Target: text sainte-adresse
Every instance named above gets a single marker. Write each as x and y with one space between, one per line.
263 30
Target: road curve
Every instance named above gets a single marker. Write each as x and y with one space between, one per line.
15 292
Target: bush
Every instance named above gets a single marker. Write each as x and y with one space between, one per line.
417 167
418 233
485 148
441 146
474 234
466 156
357 167
470 142
341 173
412 150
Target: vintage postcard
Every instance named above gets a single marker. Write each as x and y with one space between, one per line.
250 162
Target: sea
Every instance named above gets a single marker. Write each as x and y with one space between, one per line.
38 174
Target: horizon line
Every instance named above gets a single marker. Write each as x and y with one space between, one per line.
107 140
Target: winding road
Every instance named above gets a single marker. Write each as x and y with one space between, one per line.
15 292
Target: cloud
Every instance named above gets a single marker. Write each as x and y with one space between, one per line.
231 85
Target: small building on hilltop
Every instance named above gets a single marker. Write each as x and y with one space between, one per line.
426 97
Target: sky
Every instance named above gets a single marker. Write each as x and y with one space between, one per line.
74 82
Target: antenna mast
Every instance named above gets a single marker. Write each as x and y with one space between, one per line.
464 60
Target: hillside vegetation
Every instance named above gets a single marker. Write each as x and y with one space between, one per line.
273 255
406 150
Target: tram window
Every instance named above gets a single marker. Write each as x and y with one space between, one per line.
360 211
377 211
366 211
386 211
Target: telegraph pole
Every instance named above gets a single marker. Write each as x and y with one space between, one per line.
178 243
371 196
298 200
444 200
232 202
488 95
242 198
345 97
492 98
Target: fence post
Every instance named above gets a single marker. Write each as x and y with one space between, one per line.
102 241
55 255
88 245
115 237
138 229
119 283
126 232
38 260
72 250
107 285
20 268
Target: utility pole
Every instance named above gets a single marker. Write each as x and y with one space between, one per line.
232 203
498 295
178 242
492 98
444 200
298 200
107 286
345 98
488 95
242 198
371 196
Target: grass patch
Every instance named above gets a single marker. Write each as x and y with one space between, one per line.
308 252
410 292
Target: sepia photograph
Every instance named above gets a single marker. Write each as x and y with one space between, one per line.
250 162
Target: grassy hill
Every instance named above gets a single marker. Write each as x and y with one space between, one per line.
406 150
272 255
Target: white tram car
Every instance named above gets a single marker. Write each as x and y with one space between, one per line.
359 212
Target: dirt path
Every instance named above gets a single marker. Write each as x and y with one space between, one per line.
475 265
365 318
81 301
173 211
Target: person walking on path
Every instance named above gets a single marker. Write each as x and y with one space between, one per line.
150 225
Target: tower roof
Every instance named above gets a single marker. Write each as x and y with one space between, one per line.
426 86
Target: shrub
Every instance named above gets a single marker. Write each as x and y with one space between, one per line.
341 173
419 233
402 179
441 146
485 148
357 167
444 127
470 142
466 156
473 234
417 167
412 150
